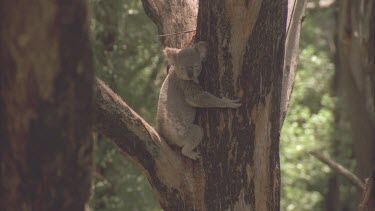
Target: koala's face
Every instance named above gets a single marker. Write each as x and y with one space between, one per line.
188 64
188 61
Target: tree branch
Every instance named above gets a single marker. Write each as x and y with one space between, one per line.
164 167
171 17
296 9
173 176
339 169
132 134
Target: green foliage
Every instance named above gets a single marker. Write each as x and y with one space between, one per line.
308 127
119 184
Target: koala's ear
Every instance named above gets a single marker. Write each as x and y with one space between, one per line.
170 54
201 47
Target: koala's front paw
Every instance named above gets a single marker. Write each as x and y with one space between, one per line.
194 156
232 103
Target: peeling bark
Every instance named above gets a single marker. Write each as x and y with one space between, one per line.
240 149
46 80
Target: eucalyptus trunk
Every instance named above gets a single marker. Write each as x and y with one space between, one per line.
46 80
241 147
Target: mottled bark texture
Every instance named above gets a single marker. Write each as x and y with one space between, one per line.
46 81
241 147
355 77
239 169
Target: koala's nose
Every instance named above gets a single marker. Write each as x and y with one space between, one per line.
190 72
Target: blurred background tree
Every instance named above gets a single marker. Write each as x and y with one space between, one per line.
127 51
313 123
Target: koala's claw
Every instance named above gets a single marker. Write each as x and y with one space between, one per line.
232 103
195 156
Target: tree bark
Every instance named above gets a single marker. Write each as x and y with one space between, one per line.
46 83
239 169
240 149
368 196
355 77
173 16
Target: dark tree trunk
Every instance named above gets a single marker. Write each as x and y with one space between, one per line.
46 83
332 197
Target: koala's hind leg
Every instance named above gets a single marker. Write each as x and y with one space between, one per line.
192 139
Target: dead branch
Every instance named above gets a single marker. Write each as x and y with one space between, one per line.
340 169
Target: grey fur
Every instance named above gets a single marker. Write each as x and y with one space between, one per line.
180 94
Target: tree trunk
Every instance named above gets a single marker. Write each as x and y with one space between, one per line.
240 149
355 83
46 105
239 169
355 77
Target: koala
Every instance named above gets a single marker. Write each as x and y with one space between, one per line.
179 97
